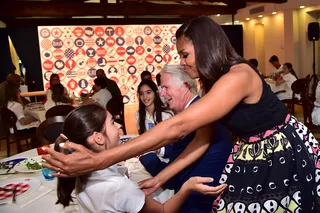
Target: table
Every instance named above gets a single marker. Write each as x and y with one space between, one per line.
47 202
39 114
273 86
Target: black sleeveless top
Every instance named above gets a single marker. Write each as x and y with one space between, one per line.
250 119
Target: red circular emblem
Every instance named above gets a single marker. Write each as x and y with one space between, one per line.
91 62
99 31
119 31
47 65
78 32
101 52
56 32
149 59
121 51
58 54
139 50
110 41
131 60
72 84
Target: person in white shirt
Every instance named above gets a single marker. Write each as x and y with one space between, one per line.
288 77
151 109
274 60
316 110
108 190
54 79
101 93
26 124
58 97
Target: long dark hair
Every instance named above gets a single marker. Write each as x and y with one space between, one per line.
212 48
80 123
11 93
58 94
54 75
289 65
158 106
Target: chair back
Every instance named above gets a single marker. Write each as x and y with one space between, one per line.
60 110
116 108
300 87
308 106
9 119
49 130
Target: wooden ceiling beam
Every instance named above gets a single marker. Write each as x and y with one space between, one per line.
58 9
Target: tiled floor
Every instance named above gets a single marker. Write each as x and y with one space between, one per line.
130 125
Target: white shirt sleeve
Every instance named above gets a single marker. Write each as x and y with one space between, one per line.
289 79
17 108
129 198
317 102
102 97
166 115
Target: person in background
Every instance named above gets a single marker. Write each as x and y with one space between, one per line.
316 110
101 93
111 85
274 60
288 77
274 167
108 190
54 79
254 62
145 75
181 91
151 110
13 79
58 97
26 124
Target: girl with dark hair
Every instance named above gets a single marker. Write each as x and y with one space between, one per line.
151 109
287 78
108 190
54 79
58 97
26 124
275 165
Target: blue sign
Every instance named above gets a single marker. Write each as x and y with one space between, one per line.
57 43
83 83
109 31
147 30
88 31
139 40
100 42
79 42
91 52
130 50
120 41
132 69
92 72
59 64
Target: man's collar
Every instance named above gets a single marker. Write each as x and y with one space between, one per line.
192 99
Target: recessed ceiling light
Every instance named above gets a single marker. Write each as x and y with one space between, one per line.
273 13
218 14
227 23
262 22
260 16
237 21
301 7
247 19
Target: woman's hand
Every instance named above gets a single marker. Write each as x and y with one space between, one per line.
79 162
197 184
150 185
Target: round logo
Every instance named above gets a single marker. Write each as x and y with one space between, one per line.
79 42
45 43
102 62
46 54
132 69
121 51
157 49
147 30
131 60
119 31
120 41
100 42
166 48
45 33
123 80
149 49
72 84
173 40
47 65
83 91
47 86
124 89
175 57
111 51
112 70
70 64
58 54
78 32
88 31
173 30
138 30
92 72
133 87
101 52
57 43
139 50
166 40
148 40
149 59
115 79
109 31
80 53
59 64
69 53
130 50
129 41
158 58
140 68
150 68
139 40
167 58
111 61
157 30
56 32
81 63
157 40
99 31
140 59
83 83
91 62
91 52
68 43
62 75
47 75
129 31
132 79
121 61
122 70
110 41
82 73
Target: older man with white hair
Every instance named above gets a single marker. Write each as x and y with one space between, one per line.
179 91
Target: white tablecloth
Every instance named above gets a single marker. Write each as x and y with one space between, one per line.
274 87
36 113
47 202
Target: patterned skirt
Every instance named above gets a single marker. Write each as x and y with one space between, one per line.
275 171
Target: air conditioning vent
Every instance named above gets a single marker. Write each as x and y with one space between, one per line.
256 10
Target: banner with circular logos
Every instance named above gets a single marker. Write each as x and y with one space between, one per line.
123 52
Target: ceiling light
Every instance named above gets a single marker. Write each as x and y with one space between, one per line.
260 16
262 22
247 19
218 14
301 7
273 13
237 21
227 23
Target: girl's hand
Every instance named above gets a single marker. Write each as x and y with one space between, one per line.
197 184
150 185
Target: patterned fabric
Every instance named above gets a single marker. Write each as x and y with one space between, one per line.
274 171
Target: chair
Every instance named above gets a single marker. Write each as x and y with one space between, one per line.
10 119
308 106
116 107
49 130
60 110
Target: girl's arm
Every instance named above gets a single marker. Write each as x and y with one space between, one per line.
173 204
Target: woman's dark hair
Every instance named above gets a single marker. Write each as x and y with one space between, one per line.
58 94
101 82
11 93
80 123
289 65
158 106
54 75
213 50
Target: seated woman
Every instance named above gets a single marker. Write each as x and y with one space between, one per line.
289 76
316 110
58 97
108 190
101 94
54 79
151 109
26 124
